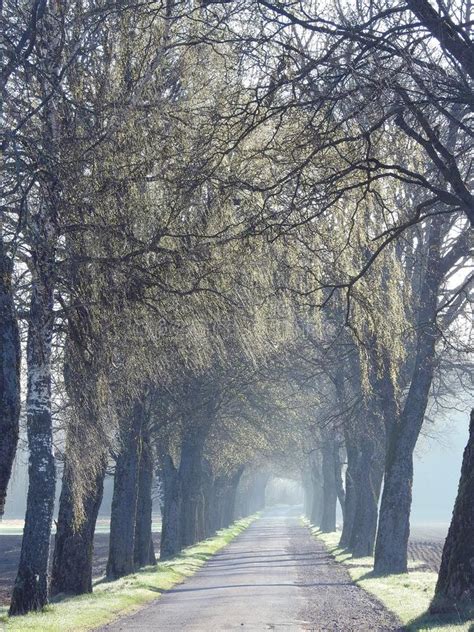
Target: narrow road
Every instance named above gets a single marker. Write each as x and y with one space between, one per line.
274 576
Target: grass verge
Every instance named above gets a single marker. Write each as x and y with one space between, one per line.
407 595
111 600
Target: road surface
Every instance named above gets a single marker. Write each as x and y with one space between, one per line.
274 576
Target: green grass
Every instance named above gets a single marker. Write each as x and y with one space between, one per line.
111 600
407 595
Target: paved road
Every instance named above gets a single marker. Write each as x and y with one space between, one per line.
274 576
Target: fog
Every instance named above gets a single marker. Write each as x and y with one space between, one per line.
437 469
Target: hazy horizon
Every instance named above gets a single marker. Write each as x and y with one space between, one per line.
434 487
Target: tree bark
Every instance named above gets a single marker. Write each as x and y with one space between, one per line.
210 507
317 493
391 548
454 591
369 483
226 487
191 480
30 591
170 541
9 376
352 476
144 551
328 518
448 35
74 544
230 498
125 497
85 463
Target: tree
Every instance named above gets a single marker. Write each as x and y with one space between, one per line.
121 560
455 587
31 590
9 376
403 431
19 36
243 230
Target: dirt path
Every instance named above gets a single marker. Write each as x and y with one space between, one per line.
274 576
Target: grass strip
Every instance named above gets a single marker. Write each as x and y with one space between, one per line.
113 599
407 595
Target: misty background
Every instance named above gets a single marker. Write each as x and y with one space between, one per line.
438 460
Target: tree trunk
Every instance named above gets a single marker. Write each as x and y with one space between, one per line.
455 587
125 497
328 518
200 516
30 591
191 480
317 494
394 523
369 482
450 39
230 498
9 376
170 541
391 548
209 505
85 467
225 497
74 544
352 476
144 552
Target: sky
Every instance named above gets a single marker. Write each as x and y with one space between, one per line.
437 468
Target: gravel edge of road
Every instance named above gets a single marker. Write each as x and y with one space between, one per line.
380 618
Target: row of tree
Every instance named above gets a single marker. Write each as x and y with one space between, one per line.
234 237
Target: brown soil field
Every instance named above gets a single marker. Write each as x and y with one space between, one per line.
10 554
426 544
427 552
